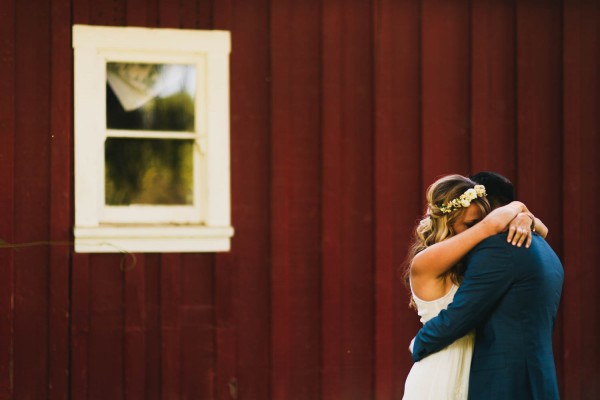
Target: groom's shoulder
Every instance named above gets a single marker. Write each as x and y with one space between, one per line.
492 253
493 241
492 244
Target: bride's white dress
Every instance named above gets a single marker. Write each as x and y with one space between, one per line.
443 375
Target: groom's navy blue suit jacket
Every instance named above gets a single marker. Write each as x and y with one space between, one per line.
510 295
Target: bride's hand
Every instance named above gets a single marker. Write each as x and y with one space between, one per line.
519 230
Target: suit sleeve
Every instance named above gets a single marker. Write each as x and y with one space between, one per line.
489 275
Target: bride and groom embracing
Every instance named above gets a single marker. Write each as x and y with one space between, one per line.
487 288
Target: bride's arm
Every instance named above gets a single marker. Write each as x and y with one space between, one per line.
539 227
438 258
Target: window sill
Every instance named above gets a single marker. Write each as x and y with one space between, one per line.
152 239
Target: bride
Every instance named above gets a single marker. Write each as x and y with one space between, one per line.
458 217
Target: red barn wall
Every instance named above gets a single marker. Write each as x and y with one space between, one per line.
342 113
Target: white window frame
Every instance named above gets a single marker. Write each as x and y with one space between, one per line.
204 226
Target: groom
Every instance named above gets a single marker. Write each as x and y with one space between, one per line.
510 295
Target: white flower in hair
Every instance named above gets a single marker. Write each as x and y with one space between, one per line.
480 189
464 200
471 194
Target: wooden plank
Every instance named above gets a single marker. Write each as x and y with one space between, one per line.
107 12
135 315
153 379
141 351
137 13
347 201
106 352
225 332
250 168
445 88
197 316
7 197
282 363
80 285
493 88
168 14
31 208
295 199
187 326
170 325
397 152
581 176
332 327
205 14
357 203
60 198
571 360
80 326
81 11
225 268
225 263
189 14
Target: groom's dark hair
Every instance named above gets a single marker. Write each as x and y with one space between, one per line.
500 190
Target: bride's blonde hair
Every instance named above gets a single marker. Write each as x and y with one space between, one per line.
436 225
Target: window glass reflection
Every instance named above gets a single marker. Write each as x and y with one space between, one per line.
148 171
157 97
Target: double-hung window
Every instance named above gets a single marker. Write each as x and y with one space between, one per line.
151 140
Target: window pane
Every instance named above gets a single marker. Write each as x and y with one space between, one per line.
151 97
148 171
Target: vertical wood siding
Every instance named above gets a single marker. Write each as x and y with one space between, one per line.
580 189
31 188
342 113
398 191
295 196
7 196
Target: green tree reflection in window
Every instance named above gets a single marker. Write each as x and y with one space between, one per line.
148 171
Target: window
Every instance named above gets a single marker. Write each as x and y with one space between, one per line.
151 140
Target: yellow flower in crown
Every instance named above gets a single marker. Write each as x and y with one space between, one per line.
480 189
464 200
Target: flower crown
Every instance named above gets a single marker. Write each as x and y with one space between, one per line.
464 200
